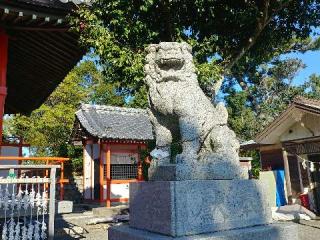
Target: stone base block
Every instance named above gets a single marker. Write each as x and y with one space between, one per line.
266 232
214 170
64 207
180 208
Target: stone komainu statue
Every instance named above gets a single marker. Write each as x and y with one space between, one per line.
180 111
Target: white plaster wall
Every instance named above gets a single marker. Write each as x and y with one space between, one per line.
91 152
87 162
295 132
94 151
308 127
8 151
312 122
117 191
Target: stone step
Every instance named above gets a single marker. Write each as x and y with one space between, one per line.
265 232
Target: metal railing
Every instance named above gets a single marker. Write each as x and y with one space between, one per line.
51 180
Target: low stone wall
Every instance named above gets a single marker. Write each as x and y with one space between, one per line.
73 191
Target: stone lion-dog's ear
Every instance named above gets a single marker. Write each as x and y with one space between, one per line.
152 48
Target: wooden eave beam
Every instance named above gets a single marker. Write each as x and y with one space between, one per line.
37 85
18 18
46 48
308 109
30 12
37 29
21 52
72 37
60 44
33 19
6 12
21 60
55 45
62 37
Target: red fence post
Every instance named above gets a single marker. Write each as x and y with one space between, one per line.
108 174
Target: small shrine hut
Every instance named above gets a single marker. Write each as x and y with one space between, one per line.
112 140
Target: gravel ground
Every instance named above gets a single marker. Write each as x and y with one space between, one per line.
73 226
309 230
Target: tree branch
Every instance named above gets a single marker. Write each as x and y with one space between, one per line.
168 21
262 22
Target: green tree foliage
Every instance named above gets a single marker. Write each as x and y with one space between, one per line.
313 86
237 36
253 106
49 127
234 41
241 117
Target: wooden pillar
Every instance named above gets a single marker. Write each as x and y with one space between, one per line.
20 147
108 174
139 168
287 175
311 185
101 171
61 181
300 176
3 75
92 171
20 155
84 184
46 174
52 204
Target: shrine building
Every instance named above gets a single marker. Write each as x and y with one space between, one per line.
113 139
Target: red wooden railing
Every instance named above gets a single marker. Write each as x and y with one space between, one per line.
48 161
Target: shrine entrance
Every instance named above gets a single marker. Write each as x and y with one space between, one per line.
304 167
315 178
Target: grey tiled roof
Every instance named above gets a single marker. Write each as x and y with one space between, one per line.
307 102
107 122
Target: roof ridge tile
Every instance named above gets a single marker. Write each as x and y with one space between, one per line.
113 108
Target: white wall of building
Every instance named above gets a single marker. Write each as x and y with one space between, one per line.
11 151
87 164
119 154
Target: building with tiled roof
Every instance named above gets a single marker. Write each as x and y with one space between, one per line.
291 142
117 123
113 139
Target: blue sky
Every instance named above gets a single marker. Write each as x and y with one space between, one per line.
311 59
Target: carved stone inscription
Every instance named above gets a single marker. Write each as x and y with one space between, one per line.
195 207
218 205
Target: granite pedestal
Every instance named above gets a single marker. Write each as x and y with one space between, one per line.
266 232
180 208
